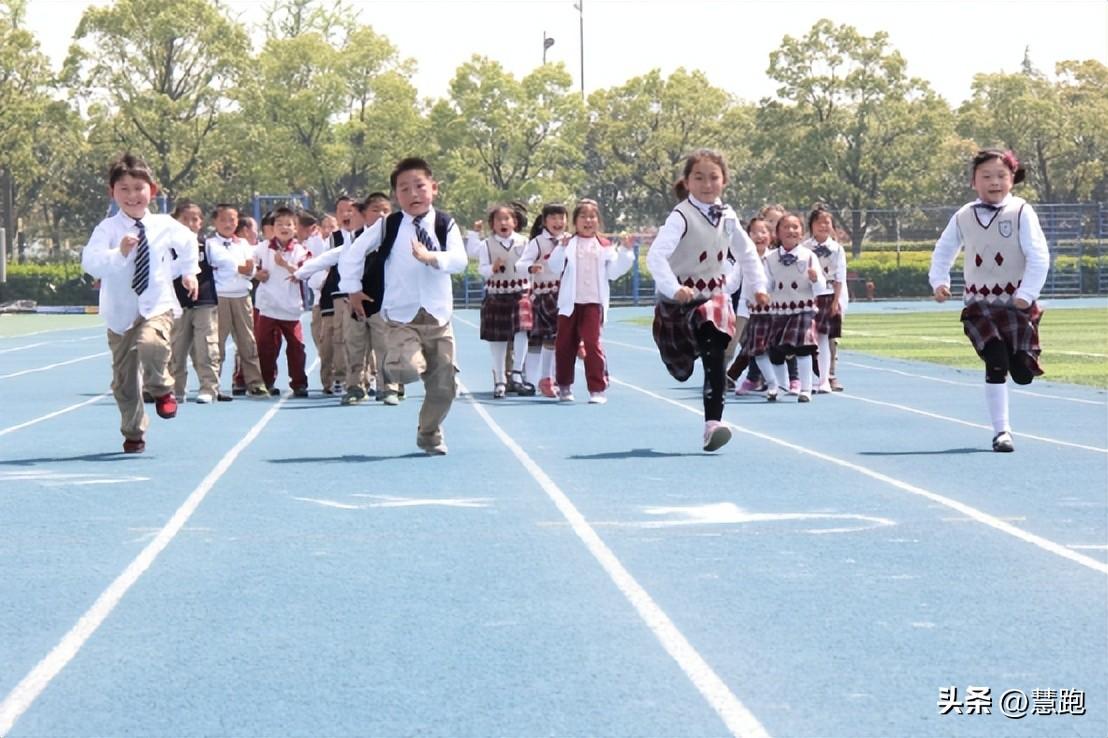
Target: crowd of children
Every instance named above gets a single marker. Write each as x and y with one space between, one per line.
767 297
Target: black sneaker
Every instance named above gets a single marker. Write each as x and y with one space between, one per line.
223 398
274 392
519 386
300 392
1002 442
238 391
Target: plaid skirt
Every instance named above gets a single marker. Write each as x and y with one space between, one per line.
503 316
544 317
675 327
826 323
755 340
793 329
1018 329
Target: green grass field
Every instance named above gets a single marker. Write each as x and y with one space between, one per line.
1074 340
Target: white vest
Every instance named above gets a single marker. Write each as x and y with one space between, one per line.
994 263
506 281
790 289
698 261
546 281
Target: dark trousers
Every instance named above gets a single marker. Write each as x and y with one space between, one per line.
582 326
268 333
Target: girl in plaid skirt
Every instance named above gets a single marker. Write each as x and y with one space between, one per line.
548 231
754 338
795 280
1005 268
693 261
829 314
506 308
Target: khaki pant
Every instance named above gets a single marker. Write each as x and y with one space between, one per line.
321 337
236 318
338 340
145 346
196 334
423 349
365 348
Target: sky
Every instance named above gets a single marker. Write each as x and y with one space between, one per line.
945 42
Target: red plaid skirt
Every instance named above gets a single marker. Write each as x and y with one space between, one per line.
755 338
503 316
793 329
675 327
1018 329
544 316
826 323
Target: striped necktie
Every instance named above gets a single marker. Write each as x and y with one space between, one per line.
422 235
141 280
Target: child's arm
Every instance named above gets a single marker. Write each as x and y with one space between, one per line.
319 263
748 270
839 274
473 240
942 259
657 259
557 260
815 275
1037 254
528 258
99 258
484 266
453 260
620 262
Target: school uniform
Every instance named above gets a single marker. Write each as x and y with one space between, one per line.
759 324
1006 257
832 263
587 267
196 332
319 326
506 307
139 305
235 309
793 297
416 308
544 286
280 304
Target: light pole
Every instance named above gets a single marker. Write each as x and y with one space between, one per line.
580 6
547 42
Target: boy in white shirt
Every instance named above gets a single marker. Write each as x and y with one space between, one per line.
409 282
131 254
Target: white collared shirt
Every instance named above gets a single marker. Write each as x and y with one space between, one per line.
409 284
119 305
226 255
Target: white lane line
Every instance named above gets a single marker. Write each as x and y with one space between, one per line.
54 330
621 344
20 699
48 343
977 385
55 366
971 512
739 720
947 418
56 413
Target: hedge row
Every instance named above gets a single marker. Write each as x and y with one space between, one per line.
48 284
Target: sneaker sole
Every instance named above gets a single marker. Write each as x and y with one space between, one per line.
719 438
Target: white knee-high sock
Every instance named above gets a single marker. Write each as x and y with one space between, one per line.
532 365
781 374
547 369
499 351
769 371
519 351
996 397
804 369
824 360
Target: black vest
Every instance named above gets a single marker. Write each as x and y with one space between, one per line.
330 288
373 276
206 280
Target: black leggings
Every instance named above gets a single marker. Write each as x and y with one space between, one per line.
999 364
713 345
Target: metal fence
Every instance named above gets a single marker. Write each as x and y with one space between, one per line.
1076 233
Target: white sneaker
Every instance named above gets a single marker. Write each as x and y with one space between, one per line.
338 388
597 398
204 398
565 394
716 435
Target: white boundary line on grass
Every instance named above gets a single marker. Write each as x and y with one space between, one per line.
20 699
739 720
970 512
55 366
978 385
56 413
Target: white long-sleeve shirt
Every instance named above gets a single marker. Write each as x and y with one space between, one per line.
1032 243
101 258
278 297
746 269
609 262
226 255
409 284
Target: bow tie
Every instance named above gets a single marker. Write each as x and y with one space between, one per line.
786 258
987 206
821 251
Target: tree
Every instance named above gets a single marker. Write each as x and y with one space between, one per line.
507 139
641 132
851 129
167 67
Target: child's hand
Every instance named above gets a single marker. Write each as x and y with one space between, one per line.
247 268
356 304
813 274
261 275
293 278
761 299
191 286
478 226
127 243
535 268
422 255
942 293
498 265
836 308
684 294
1022 304
279 259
